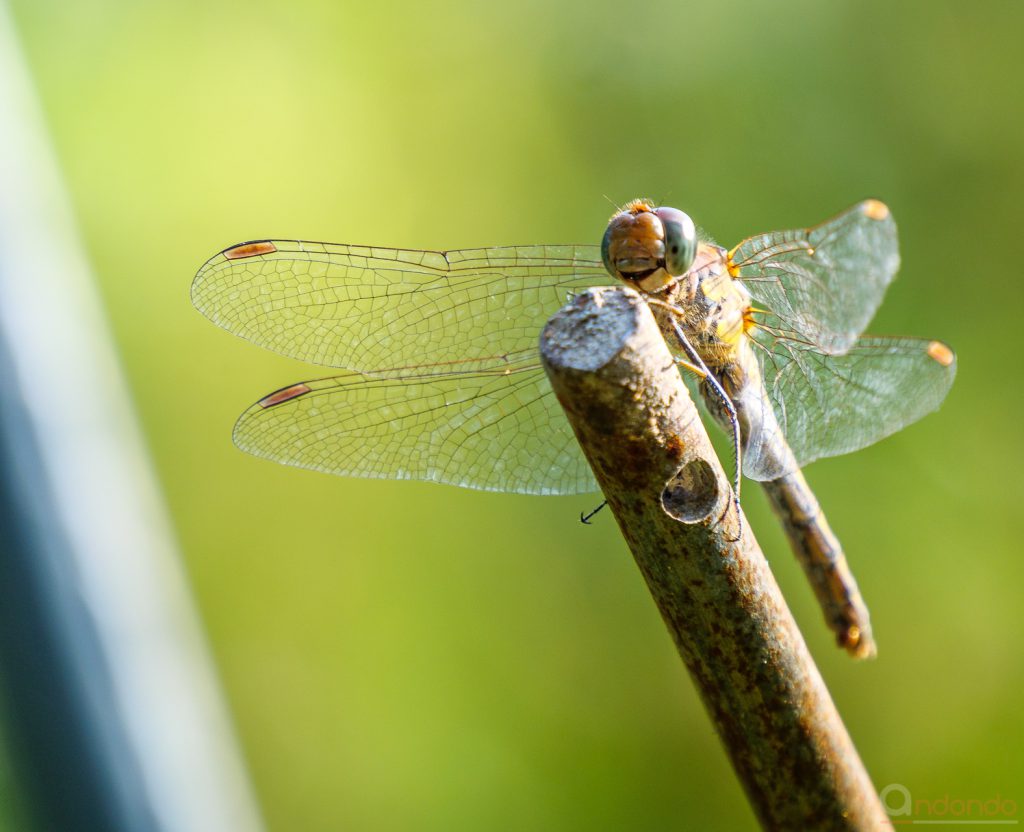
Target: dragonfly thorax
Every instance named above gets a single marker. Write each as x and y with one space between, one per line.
713 311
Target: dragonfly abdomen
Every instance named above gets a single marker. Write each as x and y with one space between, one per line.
811 538
768 457
821 555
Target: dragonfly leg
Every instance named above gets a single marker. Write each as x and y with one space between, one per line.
696 363
585 518
693 368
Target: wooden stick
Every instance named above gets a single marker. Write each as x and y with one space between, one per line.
632 414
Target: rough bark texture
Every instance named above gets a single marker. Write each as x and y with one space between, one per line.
633 416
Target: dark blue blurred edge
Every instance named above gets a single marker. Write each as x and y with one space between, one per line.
73 761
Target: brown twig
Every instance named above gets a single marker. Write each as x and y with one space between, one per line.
616 380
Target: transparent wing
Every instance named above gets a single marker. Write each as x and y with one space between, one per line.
364 308
496 428
828 405
824 284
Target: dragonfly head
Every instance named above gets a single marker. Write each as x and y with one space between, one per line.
649 247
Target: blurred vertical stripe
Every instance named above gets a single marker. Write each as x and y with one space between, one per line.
113 710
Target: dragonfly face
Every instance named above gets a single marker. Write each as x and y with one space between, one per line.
648 247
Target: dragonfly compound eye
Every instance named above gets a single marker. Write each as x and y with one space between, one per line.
680 240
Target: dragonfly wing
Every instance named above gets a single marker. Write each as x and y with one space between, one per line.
828 405
363 307
822 284
497 429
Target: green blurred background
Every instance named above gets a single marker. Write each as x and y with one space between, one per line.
409 656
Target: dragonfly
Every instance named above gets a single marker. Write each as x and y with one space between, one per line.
441 377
